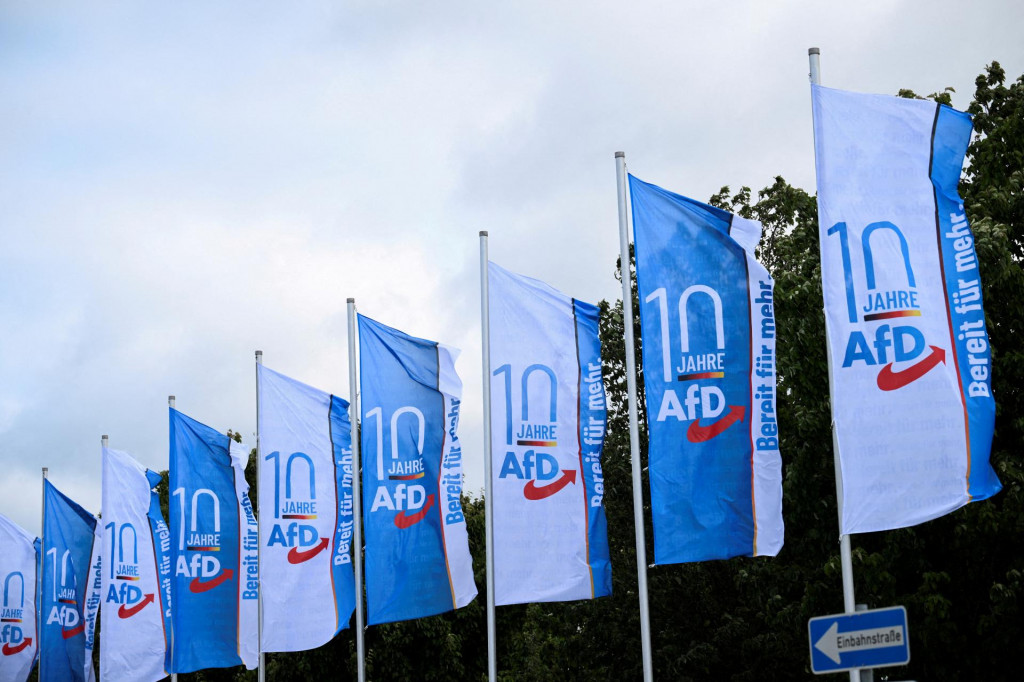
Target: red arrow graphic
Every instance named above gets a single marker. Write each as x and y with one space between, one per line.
698 433
9 650
68 634
123 612
403 521
297 556
532 492
888 380
198 585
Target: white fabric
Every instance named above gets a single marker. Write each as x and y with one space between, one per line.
456 539
133 635
248 563
18 638
901 451
540 546
766 486
298 599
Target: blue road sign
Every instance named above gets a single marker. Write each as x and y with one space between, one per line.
866 639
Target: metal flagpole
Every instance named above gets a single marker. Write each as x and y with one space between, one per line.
357 536
634 428
39 569
845 551
492 642
174 676
262 674
814 57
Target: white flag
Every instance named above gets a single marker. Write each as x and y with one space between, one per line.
912 400
136 573
18 637
548 424
306 514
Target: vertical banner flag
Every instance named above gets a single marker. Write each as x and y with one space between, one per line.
306 507
18 638
135 620
417 547
708 327
548 421
214 546
70 592
912 402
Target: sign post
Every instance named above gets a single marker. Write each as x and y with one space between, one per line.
868 639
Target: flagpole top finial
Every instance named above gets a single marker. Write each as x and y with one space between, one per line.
259 354
483 233
620 155
104 437
813 50
350 300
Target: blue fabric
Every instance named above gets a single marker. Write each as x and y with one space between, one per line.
204 548
341 563
68 535
964 302
591 428
700 491
406 574
162 551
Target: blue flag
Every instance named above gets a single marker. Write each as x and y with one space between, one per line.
708 324
214 545
69 599
417 547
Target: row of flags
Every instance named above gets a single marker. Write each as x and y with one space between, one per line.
911 397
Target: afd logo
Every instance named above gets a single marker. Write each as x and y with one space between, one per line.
199 543
12 612
123 541
889 343
64 596
694 401
295 507
531 434
395 490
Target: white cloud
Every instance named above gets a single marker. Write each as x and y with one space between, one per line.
182 185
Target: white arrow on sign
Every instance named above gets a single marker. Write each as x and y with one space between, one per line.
832 643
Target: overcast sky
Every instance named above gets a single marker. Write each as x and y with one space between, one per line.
183 183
